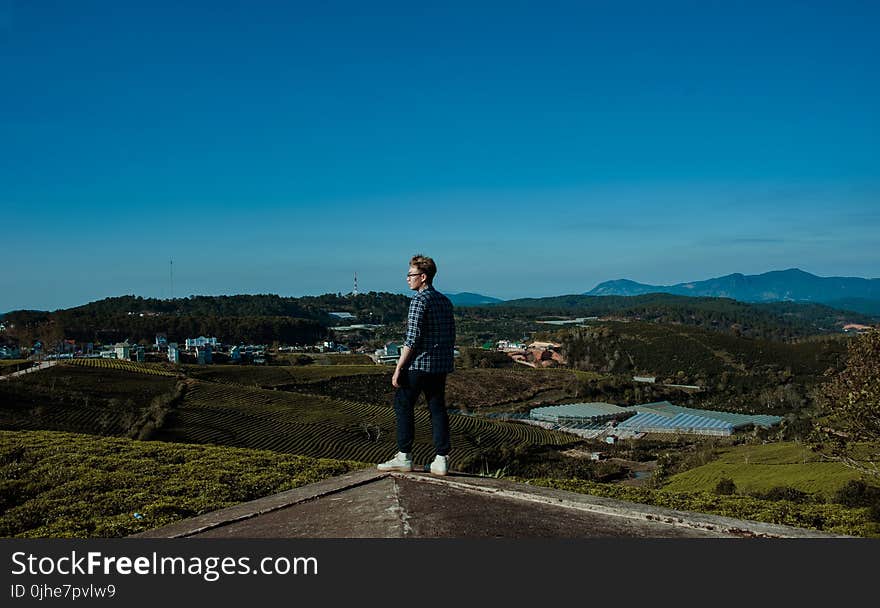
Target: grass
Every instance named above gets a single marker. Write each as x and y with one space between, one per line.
64 485
11 362
329 427
156 369
329 358
80 399
826 517
280 375
759 468
587 376
475 390
114 402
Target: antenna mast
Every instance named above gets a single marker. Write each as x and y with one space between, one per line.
171 270
355 292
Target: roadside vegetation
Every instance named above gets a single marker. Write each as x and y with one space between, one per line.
832 517
65 485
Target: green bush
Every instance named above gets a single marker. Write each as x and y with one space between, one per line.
832 518
857 493
725 487
785 493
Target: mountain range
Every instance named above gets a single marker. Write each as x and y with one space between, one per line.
471 299
792 285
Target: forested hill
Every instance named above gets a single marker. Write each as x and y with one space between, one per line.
775 320
265 318
240 318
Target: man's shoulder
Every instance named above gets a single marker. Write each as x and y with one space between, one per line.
433 294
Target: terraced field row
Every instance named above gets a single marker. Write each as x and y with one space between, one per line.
268 376
319 426
121 364
80 419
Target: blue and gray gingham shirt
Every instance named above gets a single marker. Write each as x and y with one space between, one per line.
430 332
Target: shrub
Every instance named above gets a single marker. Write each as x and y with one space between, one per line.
857 493
785 493
725 486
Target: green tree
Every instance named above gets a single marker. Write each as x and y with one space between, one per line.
852 405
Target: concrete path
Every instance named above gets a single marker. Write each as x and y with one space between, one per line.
370 504
43 365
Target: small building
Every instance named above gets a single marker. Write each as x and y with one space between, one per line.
648 379
173 353
545 345
389 354
140 356
579 413
122 350
10 352
203 354
161 341
192 343
235 353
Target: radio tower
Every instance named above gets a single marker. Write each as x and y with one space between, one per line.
171 274
355 292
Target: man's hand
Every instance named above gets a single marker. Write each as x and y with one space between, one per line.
406 353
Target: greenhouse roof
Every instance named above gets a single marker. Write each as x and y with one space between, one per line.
578 410
669 410
652 421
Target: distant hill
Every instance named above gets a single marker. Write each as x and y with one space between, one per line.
257 319
770 320
471 299
792 285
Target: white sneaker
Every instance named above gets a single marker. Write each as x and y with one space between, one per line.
439 466
401 462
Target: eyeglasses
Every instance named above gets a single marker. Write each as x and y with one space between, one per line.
414 274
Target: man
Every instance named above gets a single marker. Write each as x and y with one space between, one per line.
425 359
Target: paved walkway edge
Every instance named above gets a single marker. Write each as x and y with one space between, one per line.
260 506
620 508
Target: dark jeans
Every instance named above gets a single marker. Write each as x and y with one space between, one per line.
412 384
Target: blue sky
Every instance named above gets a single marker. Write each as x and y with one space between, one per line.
531 148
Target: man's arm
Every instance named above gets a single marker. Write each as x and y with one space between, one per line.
406 353
414 320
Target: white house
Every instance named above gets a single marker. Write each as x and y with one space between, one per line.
200 342
123 350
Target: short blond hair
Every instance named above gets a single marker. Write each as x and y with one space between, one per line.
423 263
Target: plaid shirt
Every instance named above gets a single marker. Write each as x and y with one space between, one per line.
430 332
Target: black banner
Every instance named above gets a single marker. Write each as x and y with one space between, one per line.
143 572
